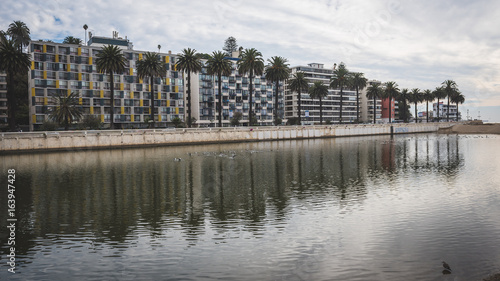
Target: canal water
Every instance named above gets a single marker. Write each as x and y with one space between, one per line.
364 208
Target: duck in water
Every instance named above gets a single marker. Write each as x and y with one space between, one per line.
447 268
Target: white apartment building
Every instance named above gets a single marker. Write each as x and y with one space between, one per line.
441 112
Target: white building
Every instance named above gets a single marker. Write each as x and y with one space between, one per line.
441 112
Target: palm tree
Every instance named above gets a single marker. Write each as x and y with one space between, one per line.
318 91
111 60
151 66
450 88
20 33
340 79
85 26
12 62
276 71
458 98
66 110
374 92
404 97
189 62
416 97
428 96
72 40
298 83
391 92
218 65
358 81
250 62
438 94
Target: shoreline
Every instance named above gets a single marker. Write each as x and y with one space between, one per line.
472 128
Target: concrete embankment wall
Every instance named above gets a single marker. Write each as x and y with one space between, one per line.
74 140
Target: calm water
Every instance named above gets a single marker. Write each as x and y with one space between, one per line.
331 209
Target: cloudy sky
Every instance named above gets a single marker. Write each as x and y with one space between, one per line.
418 44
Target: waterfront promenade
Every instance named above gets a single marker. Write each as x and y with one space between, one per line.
105 139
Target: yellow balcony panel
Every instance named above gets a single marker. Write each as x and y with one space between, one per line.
122 110
90 60
159 117
168 103
80 101
176 110
176 89
149 111
44 48
69 67
132 95
69 92
91 85
132 118
175 67
102 94
57 84
45 74
57 58
91 110
32 65
141 103
33 118
79 50
32 92
45 101
149 88
167 81
121 86
79 77
159 95
140 56
167 59
102 118
131 71
140 81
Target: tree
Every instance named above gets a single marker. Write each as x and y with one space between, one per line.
230 45
218 65
458 98
298 83
428 97
72 40
318 91
339 80
20 33
235 121
13 61
416 97
67 110
276 71
188 62
403 98
374 92
111 60
438 94
151 66
358 81
250 63
450 89
391 92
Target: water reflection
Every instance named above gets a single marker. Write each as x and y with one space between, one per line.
112 198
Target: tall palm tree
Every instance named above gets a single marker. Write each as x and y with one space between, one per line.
151 66
189 62
85 27
438 94
218 65
404 97
358 81
450 88
374 92
276 71
250 63
12 62
391 92
20 33
318 91
458 98
72 40
111 60
66 110
298 83
339 80
428 97
416 97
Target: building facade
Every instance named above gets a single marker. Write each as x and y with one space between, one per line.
61 69
368 108
310 108
235 97
441 111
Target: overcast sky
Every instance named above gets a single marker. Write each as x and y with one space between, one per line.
418 44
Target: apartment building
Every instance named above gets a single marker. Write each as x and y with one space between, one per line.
310 108
441 111
235 97
64 68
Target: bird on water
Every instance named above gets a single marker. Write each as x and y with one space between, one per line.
447 268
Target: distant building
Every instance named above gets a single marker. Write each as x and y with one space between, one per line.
441 112
63 68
